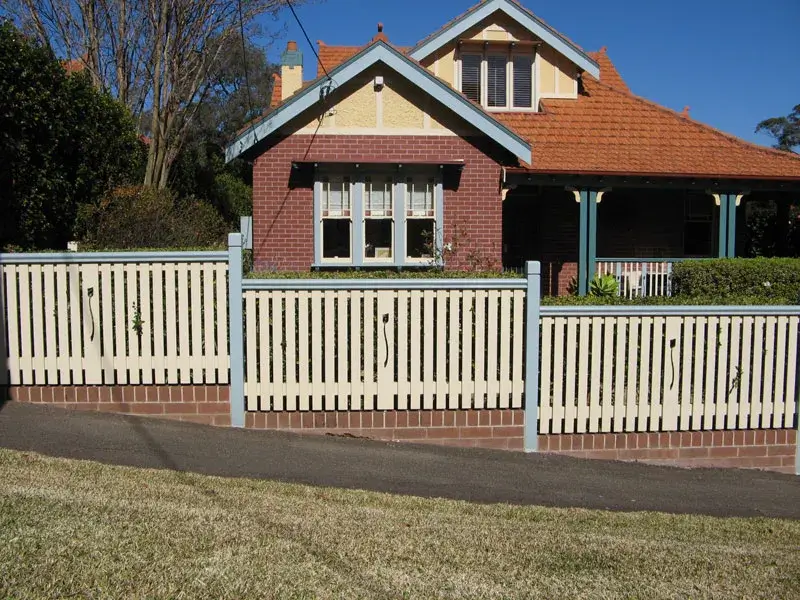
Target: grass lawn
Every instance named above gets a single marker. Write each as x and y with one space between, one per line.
76 529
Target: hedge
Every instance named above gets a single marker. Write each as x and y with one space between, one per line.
762 278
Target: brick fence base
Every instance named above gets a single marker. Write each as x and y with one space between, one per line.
772 449
206 404
467 428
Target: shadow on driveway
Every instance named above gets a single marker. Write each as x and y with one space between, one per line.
429 471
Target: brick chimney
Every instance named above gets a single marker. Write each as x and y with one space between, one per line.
291 70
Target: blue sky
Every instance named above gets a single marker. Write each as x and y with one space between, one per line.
734 62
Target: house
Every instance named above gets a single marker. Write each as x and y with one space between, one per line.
493 141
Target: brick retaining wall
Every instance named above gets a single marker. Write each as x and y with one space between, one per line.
466 428
206 404
772 449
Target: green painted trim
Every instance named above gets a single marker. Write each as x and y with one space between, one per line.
731 250
591 258
583 239
722 245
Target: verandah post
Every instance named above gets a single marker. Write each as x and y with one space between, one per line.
533 299
236 329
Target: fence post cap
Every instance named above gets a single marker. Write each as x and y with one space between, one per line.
235 240
533 267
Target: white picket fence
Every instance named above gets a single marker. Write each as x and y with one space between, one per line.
348 347
648 369
322 344
114 318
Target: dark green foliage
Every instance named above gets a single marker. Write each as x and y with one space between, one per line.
137 217
62 143
785 130
419 273
762 278
714 300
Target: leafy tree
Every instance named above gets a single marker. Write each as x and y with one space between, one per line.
62 143
785 130
200 168
156 56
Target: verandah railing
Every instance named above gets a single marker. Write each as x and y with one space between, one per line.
639 277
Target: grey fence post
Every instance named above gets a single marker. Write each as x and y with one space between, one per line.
533 300
236 328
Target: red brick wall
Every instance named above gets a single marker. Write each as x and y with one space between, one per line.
206 404
283 218
467 428
772 449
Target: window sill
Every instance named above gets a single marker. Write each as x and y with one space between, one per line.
377 265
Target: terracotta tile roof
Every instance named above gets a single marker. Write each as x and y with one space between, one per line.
608 72
277 87
333 56
609 130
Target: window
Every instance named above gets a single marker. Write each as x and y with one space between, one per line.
522 67
420 218
698 226
378 218
500 80
471 76
369 220
337 226
496 83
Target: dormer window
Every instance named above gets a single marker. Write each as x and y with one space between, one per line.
500 79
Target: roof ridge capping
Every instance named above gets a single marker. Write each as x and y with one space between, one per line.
411 70
517 12
685 117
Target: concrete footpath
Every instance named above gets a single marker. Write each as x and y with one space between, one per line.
431 471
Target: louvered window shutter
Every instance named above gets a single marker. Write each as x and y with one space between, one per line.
523 81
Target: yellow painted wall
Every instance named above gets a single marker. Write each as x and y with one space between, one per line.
399 107
402 105
291 80
547 70
359 109
567 76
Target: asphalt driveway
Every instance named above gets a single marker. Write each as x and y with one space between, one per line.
431 471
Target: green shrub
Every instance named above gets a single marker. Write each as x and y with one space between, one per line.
666 300
767 278
134 217
416 273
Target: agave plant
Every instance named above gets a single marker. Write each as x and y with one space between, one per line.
603 286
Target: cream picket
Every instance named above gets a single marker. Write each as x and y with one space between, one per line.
70 319
390 336
703 382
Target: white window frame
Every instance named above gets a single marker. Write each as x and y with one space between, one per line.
510 52
389 180
429 214
399 217
347 215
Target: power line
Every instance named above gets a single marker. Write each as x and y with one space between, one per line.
303 29
249 115
244 59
